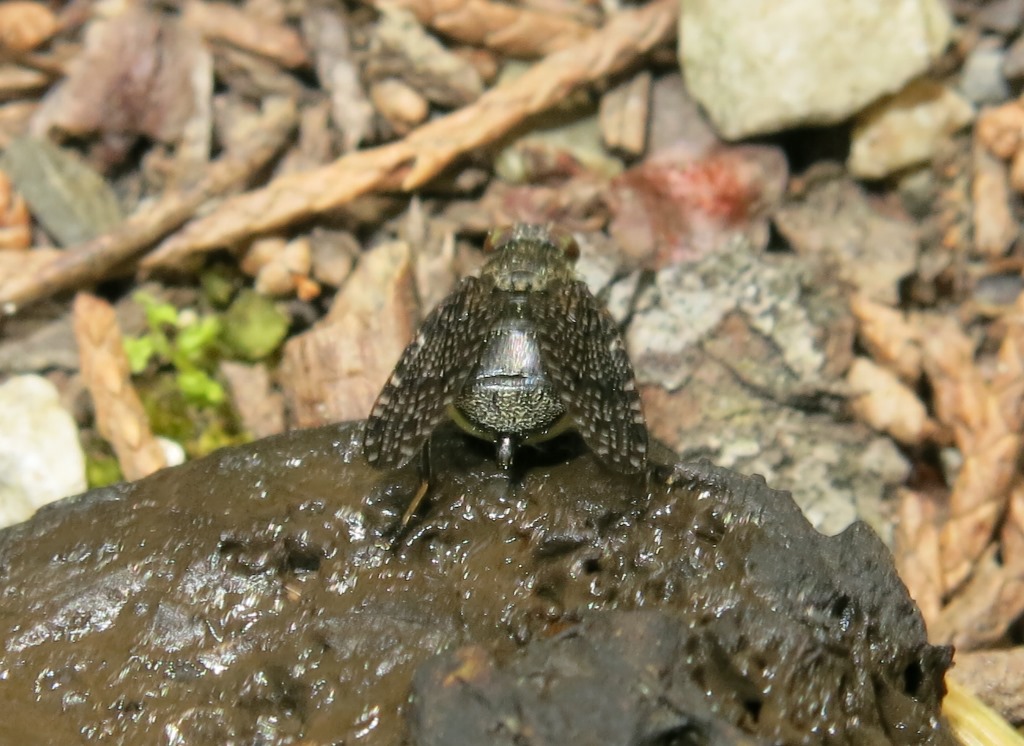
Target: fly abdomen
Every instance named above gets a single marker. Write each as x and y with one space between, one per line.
520 407
509 392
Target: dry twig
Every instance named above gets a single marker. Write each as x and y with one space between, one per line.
120 417
1012 534
880 399
430 148
91 261
984 608
986 421
917 551
892 339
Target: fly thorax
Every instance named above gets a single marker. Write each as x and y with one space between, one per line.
527 268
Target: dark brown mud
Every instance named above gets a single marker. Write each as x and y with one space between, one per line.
262 596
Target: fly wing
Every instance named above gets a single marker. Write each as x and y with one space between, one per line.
429 375
585 358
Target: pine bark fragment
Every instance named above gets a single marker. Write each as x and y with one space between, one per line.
120 417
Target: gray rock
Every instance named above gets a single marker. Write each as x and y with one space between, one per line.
40 456
737 356
760 67
836 221
66 194
981 79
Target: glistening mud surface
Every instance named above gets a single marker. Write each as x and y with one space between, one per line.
255 597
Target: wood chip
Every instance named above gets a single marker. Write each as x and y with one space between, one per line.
401 48
334 371
234 25
24 26
259 406
325 28
120 418
134 77
624 113
15 228
995 228
504 28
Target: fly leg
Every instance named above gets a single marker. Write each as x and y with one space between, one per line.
506 447
421 491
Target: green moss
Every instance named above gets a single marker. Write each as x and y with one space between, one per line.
200 429
219 284
175 363
254 327
102 470
101 467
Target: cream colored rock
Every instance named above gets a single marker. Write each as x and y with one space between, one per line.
905 129
41 459
760 66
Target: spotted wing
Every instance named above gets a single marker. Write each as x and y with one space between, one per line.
584 355
429 375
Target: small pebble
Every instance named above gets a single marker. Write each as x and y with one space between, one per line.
982 80
400 104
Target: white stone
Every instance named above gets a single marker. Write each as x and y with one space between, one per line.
760 66
906 129
174 452
41 459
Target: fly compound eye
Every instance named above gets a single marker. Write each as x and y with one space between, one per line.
569 247
497 239
564 242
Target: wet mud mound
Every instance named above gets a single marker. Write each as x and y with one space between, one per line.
266 595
